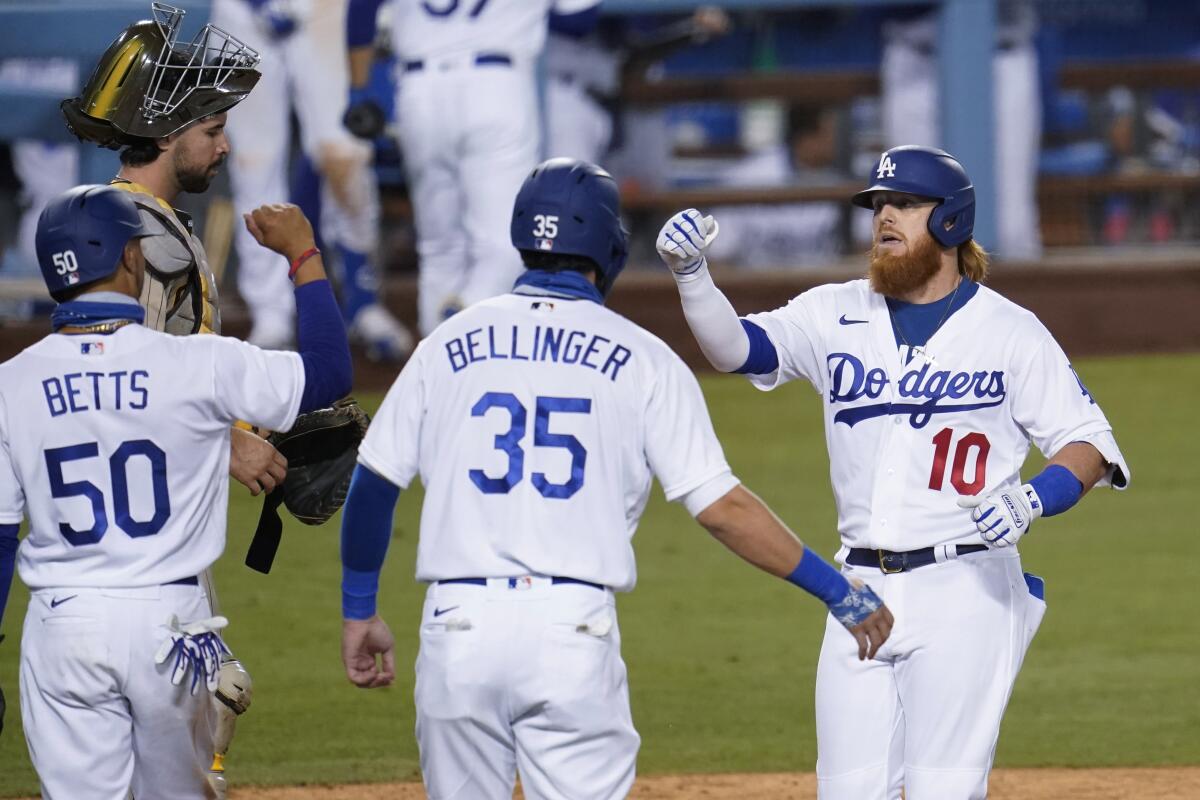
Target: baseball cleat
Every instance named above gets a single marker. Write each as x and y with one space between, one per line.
384 338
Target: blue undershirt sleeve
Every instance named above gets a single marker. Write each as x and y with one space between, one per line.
763 358
360 22
366 533
8 557
321 336
576 25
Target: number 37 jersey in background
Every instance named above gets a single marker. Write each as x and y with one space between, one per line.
536 425
117 448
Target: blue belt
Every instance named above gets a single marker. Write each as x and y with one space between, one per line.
891 562
554 581
190 580
481 59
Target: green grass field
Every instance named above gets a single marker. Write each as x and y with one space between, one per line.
721 657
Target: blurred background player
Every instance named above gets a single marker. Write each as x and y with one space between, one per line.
586 61
122 481
912 109
304 72
469 128
520 667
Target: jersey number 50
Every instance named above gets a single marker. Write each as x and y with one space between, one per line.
510 443
118 466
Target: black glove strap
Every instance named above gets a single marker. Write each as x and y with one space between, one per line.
267 535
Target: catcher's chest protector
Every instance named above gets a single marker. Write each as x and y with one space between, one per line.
180 291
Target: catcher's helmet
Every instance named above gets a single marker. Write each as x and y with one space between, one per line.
82 234
147 86
572 208
928 172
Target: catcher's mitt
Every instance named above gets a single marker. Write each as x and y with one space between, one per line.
321 449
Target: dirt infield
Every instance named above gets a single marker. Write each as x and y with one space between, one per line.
1138 783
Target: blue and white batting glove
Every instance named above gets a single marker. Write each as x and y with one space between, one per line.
276 17
1004 516
683 240
196 648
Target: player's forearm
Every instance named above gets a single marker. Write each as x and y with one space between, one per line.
366 532
713 321
744 524
324 350
1084 462
361 59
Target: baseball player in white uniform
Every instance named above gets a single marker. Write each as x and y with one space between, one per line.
933 387
536 421
469 128
114 443
304 70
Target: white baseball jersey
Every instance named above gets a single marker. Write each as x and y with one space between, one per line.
117 448
536 424
517 28
906 436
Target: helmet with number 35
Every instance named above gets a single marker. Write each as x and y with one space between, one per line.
572 208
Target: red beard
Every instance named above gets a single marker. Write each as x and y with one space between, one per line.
899 275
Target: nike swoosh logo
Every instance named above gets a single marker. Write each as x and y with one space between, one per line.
55 603
437 612
845 321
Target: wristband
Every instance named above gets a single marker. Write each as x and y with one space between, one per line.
300 259
1056 489
817 576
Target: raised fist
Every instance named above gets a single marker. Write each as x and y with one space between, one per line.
683 240
281 227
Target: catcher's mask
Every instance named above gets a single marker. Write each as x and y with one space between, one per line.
147 85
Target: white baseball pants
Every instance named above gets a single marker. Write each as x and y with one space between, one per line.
100 717
526 679
470 135
925 713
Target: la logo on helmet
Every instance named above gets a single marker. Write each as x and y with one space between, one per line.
886 168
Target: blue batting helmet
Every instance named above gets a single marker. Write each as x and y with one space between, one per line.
571 207
82 234
928 172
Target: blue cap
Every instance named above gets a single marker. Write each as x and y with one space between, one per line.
573 208
81 236
928 172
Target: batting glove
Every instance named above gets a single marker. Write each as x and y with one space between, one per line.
1003 517
364 117
683 240
196 648
276 18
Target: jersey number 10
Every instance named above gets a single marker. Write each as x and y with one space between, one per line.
975 443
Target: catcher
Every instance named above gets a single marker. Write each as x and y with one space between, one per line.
163 104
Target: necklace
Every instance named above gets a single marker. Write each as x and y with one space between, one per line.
100 327
920 350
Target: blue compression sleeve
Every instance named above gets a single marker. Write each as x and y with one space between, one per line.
360 22
762 358
576 25
321 335
1057 488
366 532
8 557
817 576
